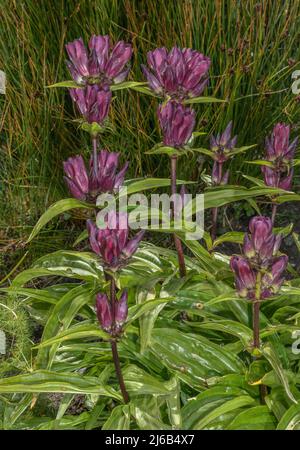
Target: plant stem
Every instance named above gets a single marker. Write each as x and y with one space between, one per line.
213 232
178 245
113 342
256 338
274 211
95 156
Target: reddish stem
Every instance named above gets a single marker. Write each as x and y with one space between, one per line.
177 241
113 342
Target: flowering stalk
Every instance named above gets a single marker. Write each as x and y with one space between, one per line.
256 333
221 146
279 151
178 245
113 342
259 271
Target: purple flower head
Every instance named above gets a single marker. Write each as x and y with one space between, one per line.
177 123
76 177
280 152
222 144
244 276
217 177
99 64
104 313
112 322
121 312
179 73
84 186
112 243
261 246
92 102
272 280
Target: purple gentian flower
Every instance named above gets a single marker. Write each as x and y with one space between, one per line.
177 123
92 102
112 243
179 73
100 65
87 186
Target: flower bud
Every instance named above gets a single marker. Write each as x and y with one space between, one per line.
103 309
121 310
244 276
177 123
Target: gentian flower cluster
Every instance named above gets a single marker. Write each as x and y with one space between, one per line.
177 123
260 255
85 185
94 70
280 152
112 243
99 64
178 74
109 320
222 146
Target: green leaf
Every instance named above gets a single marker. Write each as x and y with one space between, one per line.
164 150
193 358
79 331
198 407
215 197
60 319
291 419
205 151
54 210
47 381
138 382
261 162
238 150
256 418
228 406
128 85
119 419
66 84
236 237
288 198
71 264
275 362
203 100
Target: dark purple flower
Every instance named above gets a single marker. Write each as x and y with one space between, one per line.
84 186
261 246
222 144
179 74
121 311
100 65
92 102
111 322
177 123
104 313
244 276
280 152
272 280
112 243
217 177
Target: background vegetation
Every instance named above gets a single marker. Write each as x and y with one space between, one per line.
254 48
